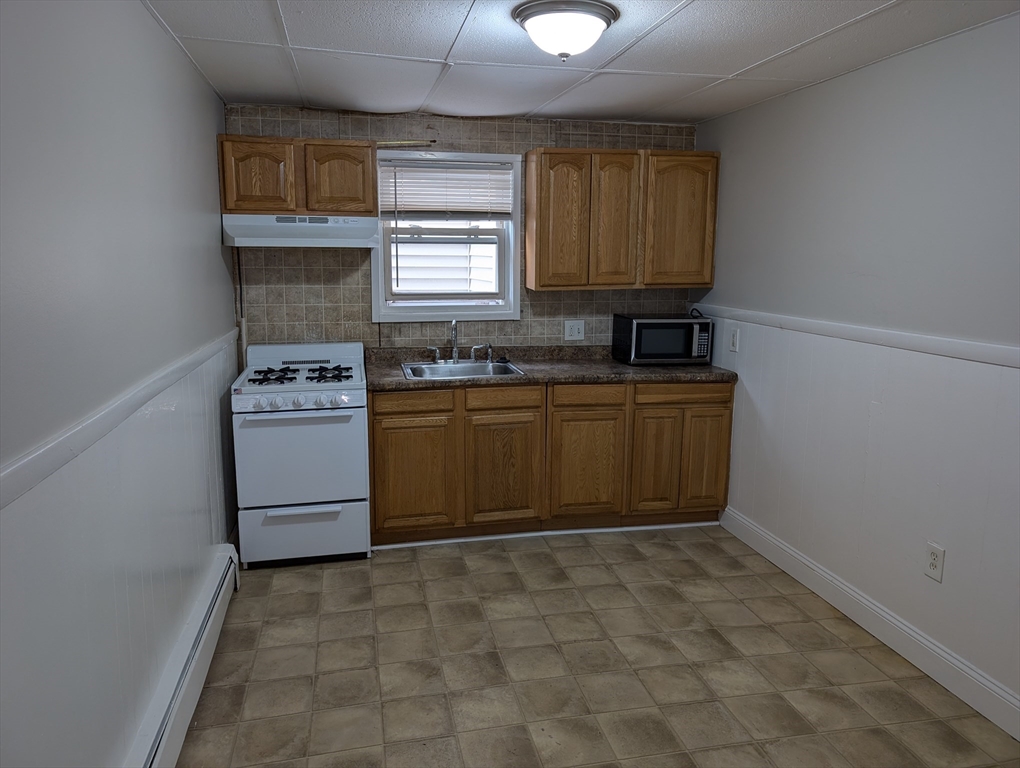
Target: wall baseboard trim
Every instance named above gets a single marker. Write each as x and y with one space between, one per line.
988 696
977 351
158 742
21 475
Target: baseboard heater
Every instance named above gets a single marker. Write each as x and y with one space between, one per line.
161 736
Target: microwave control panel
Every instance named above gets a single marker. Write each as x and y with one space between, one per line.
702 343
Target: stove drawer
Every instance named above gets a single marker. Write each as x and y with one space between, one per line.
282 533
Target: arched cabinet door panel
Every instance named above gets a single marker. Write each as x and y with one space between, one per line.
680 219
341 178
258 176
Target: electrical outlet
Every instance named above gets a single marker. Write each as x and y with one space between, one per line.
934 560
573 330
734 339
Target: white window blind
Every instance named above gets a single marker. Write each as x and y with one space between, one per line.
450 245
445 190
431 260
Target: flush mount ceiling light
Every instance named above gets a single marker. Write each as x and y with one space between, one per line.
565 27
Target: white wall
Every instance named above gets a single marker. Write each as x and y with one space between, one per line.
110 264
100 565
886 198
113 286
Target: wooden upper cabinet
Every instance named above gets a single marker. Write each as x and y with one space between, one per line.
267 175
258 176
341 178
680 218
564 211
615 218
619 219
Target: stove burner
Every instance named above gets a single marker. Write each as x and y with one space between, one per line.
271 379
323 375
272 372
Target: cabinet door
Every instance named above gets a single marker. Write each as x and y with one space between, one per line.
564 219
615 218
680 219
503 455
258 176
340 178
415 472
587 466
705 459
655 463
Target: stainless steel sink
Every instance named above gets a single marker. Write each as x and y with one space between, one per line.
450 370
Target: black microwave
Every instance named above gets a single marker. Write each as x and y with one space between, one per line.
660 340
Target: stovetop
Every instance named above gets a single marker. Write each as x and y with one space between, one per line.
301 377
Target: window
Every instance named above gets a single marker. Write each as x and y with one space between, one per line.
450 246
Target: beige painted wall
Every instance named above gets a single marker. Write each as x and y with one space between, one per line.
110 264
887 197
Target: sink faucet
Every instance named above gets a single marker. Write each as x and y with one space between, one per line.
453 337
488 351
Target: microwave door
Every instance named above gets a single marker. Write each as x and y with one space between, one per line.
662 341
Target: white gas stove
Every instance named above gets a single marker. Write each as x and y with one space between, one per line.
297 377
301 451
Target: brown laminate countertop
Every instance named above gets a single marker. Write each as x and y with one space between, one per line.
389 377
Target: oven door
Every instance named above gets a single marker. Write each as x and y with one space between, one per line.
301 457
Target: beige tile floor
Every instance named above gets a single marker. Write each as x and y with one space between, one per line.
651 649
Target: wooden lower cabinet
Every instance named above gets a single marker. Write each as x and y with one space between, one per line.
492 460
655 460
705 458
587 465
503 466
416 472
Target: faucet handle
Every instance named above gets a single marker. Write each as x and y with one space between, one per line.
488 353
435 353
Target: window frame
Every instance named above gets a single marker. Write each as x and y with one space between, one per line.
424 307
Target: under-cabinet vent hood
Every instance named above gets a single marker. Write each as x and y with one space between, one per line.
243 230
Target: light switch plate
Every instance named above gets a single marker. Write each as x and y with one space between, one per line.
734 339
573 330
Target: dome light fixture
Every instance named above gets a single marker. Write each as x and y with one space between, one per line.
565 27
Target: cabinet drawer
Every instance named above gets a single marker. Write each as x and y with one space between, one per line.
432 401
496 398
683 393
589 394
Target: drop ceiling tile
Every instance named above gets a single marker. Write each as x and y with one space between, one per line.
621 97
246 21
260 74
882 34
365 83
492 36
723 37
483 91
421 29
720 99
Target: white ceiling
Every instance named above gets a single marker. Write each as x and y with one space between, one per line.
666 61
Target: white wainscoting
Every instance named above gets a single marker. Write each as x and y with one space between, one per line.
101 565
850 456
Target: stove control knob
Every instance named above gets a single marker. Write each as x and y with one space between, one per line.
260 403
340 400
276 403
298 401
321 401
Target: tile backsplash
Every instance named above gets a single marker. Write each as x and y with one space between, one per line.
324 294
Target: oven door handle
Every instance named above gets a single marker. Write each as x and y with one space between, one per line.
295 511
344 415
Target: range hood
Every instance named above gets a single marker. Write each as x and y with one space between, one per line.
286 231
